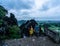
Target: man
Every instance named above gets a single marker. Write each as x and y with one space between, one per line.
36 29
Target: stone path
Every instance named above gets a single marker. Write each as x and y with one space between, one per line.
31 41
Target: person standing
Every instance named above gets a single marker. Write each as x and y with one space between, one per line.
36 30
31 31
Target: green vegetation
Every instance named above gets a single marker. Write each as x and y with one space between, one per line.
9 28
14 32
54 28
1 21
3 11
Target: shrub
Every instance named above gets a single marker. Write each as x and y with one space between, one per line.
14 31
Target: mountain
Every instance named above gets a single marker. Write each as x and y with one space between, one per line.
21 22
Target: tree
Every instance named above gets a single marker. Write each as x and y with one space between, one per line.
3 11
1 22
6 20
14 32
8 25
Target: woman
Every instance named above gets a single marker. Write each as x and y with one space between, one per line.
31 31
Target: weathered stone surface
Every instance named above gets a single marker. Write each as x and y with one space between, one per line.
31 41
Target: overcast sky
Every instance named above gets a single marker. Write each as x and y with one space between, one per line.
33 9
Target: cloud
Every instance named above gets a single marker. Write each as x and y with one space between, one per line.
48 10
37 9
14 4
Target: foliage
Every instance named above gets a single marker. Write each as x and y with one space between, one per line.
14 31
3 11
1 21
9 24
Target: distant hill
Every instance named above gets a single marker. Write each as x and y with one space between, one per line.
21 22
24 21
